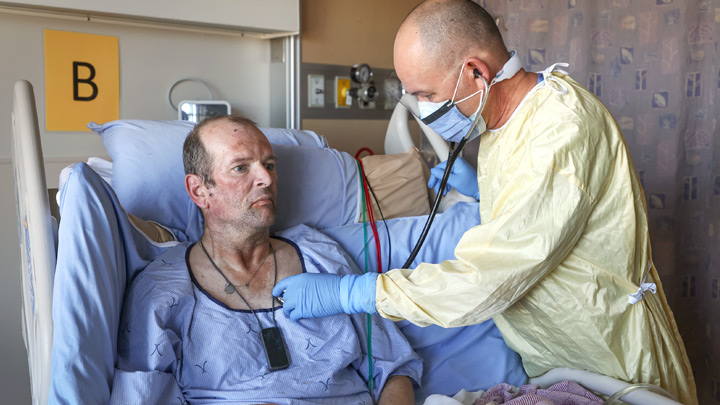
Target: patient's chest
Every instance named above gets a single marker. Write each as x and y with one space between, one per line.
223 355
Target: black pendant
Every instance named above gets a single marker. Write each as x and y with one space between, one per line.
275 349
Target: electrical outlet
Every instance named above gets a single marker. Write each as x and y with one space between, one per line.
316 91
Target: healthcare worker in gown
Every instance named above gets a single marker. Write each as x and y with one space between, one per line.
562 259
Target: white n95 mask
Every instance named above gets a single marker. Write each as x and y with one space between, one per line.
447 121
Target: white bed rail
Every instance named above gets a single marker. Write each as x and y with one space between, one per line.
397 136
602 384
37 241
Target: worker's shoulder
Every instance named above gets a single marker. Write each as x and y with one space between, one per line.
564 112
562 99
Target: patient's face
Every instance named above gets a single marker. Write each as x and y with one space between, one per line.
243 167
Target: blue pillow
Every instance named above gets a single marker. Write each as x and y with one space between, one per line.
148 176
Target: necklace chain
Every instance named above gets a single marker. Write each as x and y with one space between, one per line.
272 339
228 286
272 299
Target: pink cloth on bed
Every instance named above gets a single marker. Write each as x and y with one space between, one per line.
562 393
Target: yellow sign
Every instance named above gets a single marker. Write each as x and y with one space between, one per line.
82 80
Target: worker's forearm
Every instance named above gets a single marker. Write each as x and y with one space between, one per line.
397 390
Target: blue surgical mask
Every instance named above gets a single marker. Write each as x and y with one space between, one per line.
447 121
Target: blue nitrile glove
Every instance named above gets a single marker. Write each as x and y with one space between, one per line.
463 178
313 295
357 293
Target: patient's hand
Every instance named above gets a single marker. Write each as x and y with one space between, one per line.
397 390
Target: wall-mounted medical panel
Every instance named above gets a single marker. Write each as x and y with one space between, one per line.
268 17
336 103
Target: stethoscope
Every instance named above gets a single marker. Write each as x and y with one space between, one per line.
455 150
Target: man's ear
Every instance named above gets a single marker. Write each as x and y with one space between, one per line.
479 69
195 187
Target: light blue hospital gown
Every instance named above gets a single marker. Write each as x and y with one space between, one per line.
176 343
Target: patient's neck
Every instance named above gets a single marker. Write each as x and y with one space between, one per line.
242 252
243 260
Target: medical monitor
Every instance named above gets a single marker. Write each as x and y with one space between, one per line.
198 110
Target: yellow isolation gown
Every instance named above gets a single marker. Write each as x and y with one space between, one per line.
563 242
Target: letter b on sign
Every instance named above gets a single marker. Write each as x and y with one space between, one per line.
87 80
82 80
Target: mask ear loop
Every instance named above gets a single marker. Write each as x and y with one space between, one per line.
481 107
458 84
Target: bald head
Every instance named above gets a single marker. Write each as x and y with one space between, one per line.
445 32
196 158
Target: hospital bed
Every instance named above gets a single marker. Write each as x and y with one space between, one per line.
452 356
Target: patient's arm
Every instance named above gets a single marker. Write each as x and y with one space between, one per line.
397 390
149 345
394 362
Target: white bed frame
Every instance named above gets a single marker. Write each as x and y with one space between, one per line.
37 239
38 246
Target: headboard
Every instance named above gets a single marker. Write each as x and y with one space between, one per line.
37 241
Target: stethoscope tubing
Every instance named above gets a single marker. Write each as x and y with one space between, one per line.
453 155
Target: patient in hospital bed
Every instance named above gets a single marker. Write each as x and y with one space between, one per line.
192 320
101 251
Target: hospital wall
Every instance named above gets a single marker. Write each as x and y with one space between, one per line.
345 33
151 60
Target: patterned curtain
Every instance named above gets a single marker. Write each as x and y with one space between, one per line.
654 64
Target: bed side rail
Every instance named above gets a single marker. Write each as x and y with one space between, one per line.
37 243
604 385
